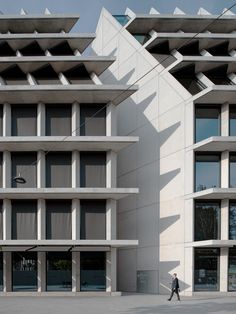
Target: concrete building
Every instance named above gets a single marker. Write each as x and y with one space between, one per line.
59 146
184 164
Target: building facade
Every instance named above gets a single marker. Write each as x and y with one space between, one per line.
184 165
59 146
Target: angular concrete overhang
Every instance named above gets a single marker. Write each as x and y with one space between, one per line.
144 23
67 193
212 243
216 94
66 143
64 245
213 194
46 41
216 144
43 23
206 40
94 64
84 93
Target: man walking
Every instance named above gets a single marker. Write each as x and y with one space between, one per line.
174 287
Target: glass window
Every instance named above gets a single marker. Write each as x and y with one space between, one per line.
122 19
92 271
58 170
232 270
207 221
1 271
207 122
232 221
142 38
92 120
24 120
206 270
1 221
59 275
232 120
232 170
1 170
58 120
1 120
24 271
207 171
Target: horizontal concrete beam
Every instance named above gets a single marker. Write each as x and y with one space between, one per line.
216 144
212 243
213 193
216 94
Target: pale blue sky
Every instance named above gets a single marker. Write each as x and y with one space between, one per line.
89 10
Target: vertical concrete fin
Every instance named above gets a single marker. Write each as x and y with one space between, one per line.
23 12
227 12
47 12
203 11
130 13
178 11
153 11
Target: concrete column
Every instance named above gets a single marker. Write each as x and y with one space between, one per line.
41 271
111 231
189 172
6 170
224 219
75 121
224 252
189 270
111 165
225 169
41 118
111 125
75 271
6 120
41 219
225 119
111 261
41 180
75 169
95 79
75 219
7 271
63 79
6 211
189 220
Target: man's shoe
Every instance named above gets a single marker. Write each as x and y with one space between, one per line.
168 299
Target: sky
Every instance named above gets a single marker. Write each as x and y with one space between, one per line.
89 10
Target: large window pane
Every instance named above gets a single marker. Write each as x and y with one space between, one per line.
207 221
232 221
1 271
92 271
24 120
59 275
232 270
1 221
206 270
207 122
207 171
58 120
24 271
1 120
232 170
58 170
92 120
232 120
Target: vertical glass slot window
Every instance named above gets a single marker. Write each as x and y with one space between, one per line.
232 270
93 219
92 120
206 270
232 120
207 122
59 271
1 271
24 271
1 221
232 221
58 170
1 120
24 220
207 221
207 171
92 271
1 178
58 120
232 170
24 120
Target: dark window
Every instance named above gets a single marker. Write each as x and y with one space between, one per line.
1 120
24 271
32 49
207 122
219 76
0 170
232 120
192 49
59 271
14 76
6 50
92 120
1 226
24 164
78 75
122 19
93 169
24 219
46 75
232 270
232 170
142 38
1 271
58 119
58 219
207 221
58 169
93 219
220 49
61 49
24 120
92 271
162 53
232 221
207 171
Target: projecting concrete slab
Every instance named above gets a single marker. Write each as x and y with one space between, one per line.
212 243
216 94
214 194
216 144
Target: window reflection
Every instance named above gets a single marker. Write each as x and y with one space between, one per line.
1 271
232 120
232 221
232 270
232 170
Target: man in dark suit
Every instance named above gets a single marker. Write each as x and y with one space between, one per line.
174 287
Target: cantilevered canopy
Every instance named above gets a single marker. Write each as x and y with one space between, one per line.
214 193
212 243
216 144
217 94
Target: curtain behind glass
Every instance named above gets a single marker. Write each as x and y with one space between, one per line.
0 170
24 120
58 120
58 170
1 222
92 120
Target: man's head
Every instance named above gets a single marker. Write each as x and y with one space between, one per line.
174 275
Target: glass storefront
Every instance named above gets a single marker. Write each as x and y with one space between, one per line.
24 271
232 270
92 271
206 269
59 274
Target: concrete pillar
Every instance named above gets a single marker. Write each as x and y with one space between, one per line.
6 212
63 79
41 180
41 118
41 219
189 270
6 120
7 271
41 271
224 252
6 170
111 261
225 119
111 220
95 79
111 125
75 271
189 220
189 170
225 169
75 169
75 121
75 219
111 165
224 219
